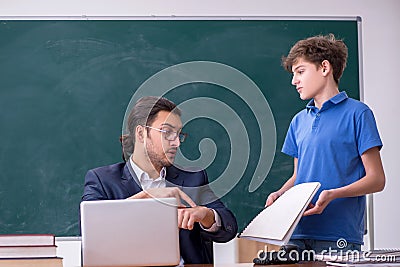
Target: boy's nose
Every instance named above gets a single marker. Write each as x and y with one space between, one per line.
294 80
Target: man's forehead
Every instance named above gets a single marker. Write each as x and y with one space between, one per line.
165 118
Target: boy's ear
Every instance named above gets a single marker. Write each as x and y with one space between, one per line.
326 67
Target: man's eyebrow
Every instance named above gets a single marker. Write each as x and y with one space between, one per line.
169 125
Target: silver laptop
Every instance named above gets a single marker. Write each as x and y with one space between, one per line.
140 232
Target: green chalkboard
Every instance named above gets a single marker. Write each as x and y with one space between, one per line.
65 87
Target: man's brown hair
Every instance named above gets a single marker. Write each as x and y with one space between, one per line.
144 113
317 49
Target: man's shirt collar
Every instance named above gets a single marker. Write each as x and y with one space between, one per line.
143 176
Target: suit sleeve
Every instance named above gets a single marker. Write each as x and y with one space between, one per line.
93 189
229 226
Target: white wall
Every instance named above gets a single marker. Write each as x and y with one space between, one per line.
69 249
381 38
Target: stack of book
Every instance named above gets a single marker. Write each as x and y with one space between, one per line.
29 250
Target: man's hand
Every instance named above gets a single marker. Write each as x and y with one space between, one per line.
188 216
165 192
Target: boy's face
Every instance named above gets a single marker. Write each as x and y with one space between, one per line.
308 79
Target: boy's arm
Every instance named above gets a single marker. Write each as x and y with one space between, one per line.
289 183
373 181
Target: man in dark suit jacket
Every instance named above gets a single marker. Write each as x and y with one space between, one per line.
149 149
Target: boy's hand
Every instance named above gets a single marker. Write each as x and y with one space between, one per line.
324 199
271 198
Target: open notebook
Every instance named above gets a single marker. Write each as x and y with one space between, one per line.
276 223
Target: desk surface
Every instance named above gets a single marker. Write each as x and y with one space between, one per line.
303 264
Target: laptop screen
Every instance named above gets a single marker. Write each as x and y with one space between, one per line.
139 232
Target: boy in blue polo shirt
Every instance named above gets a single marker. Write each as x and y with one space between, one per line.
333 141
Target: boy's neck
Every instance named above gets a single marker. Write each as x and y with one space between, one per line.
325 95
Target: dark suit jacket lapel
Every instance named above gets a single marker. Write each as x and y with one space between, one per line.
130 181
173 178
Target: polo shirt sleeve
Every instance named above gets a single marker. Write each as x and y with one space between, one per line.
367 132
290 146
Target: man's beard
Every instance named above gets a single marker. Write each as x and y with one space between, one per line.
158 161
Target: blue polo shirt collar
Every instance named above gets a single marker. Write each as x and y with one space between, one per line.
333 101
